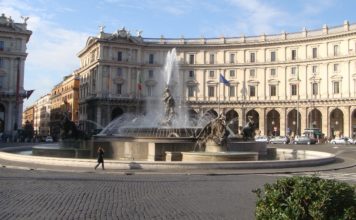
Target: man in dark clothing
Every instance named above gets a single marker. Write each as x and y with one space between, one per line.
100 158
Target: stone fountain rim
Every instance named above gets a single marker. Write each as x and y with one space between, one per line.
163 165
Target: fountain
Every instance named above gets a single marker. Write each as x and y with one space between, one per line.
165 137
166 132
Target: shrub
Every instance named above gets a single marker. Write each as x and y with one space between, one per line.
303 197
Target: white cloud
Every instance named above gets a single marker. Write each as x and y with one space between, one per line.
257 17
52 49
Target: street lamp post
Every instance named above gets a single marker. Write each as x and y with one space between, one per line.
336 126
298 81
273 130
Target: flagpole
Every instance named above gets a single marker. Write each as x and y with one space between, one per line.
219 97
138 91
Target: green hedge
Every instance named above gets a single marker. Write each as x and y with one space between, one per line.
303 197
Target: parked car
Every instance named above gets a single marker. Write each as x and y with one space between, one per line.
49 139
304 140
342 140
262 139
279 140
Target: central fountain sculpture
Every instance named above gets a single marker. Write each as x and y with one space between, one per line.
169 112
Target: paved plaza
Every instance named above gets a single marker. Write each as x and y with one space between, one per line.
27 194
68 193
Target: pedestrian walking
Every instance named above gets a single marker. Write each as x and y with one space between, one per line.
100 158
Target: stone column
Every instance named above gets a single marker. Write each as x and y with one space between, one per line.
282 120
325 128
204 85
303 119
349 78
262 113
129 80
347 122
9 111
22 71
12 77
98 115
99 78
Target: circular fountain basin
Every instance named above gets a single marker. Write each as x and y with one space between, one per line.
219 156
285 158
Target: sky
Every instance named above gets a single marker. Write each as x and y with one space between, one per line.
61 27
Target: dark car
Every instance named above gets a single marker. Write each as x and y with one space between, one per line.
304 140
279 140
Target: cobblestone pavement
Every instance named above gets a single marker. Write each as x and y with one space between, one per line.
346 175
89 194
58 195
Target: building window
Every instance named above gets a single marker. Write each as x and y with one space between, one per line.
273 56
119 56
191 73
232 73
212 59
314 69
1 62
336 86
211 73
252 90
191 58
294 54
232 91
151 58
293 71
2 45
119 72
119 89
252 57
149 91
273 90
190 91
232 58
336 50
252 73
336 67
315 88
211 90
315 52
150 74
1 81
273 73
294 89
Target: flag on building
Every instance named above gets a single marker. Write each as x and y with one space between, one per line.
29 93
140 81
223 80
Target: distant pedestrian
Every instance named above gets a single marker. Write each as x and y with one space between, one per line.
100 158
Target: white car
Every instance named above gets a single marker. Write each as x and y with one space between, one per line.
262 139
342 140
49 139
279 140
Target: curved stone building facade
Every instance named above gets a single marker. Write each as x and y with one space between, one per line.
287 82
